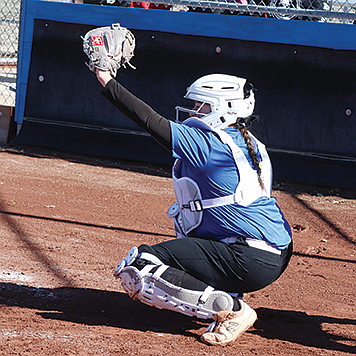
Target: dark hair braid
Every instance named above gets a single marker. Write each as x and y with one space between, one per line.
251 151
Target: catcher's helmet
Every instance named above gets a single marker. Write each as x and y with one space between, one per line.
231 99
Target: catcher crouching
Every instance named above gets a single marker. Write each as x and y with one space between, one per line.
232 237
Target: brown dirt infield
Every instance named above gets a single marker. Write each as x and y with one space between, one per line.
67 220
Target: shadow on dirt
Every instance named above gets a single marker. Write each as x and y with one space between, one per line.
115 309
28 242
80 223
163 170
303 329
131 166
294 189
325 258
325 220
96 307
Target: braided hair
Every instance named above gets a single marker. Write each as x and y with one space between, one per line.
251 149
242 124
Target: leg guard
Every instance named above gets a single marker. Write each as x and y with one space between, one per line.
150 288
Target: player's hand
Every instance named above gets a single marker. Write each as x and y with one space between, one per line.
103 76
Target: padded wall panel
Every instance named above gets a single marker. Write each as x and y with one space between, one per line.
305 96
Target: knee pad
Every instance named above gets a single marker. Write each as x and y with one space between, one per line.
127 261
131 257
150 288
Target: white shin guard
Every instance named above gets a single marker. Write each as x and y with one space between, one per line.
151 289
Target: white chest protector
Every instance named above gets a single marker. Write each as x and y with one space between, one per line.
188 210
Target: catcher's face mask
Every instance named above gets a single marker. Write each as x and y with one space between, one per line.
199 110
228 98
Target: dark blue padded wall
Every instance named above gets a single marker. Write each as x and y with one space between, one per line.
305 95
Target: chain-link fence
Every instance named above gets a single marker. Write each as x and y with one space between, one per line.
339 11
9 34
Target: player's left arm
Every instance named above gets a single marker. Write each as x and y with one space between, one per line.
138 111
108 49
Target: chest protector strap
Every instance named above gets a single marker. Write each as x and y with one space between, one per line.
188 210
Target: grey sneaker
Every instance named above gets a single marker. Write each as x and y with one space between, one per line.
229 325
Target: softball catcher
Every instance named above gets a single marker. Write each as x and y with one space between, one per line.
232 237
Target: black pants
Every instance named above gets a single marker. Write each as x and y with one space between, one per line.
233 268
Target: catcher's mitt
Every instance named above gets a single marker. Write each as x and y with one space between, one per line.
109 48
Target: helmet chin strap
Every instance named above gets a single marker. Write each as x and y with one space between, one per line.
247 121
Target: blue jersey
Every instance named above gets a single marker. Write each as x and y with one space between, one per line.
210 163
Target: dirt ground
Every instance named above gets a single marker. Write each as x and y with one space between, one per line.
67 220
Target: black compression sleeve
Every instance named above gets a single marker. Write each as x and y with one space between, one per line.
139 112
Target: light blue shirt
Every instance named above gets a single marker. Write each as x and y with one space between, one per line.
210 163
